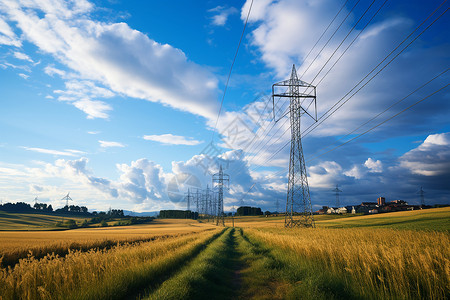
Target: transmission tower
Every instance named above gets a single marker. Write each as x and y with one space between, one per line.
298 203
421 192
337 191
277 204
197 198
67 198
207 202
218 183
188 199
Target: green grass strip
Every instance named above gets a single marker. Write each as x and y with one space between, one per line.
131 283
209 276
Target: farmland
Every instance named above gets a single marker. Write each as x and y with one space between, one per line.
391 256
14 221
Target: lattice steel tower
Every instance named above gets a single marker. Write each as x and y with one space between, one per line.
421 192
188 199
298 203
218 182
337 191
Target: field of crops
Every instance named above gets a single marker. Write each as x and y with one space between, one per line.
18 221
258 259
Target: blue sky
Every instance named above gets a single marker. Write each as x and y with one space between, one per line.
116 101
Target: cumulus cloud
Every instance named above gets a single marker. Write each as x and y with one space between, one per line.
145 185
142 181
324 174
114 55
221 14
170 139
431 158
109 144
374 166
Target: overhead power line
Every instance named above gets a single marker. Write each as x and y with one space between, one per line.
331 37
379 114
273 125
379 124
321 121
231 68
326 115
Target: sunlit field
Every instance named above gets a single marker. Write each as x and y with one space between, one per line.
400 255
15 245
17 221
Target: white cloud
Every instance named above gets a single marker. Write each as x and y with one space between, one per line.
124 60
67 152
93 132
93 109
170 139
50 70
324 174
106 144
81 92
7 35
356 172
382 26
221 14
374 166
142 181
22 56
24 76
431 158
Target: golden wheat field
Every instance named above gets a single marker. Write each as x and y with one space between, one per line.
362 257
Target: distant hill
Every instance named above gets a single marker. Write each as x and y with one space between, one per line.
34 221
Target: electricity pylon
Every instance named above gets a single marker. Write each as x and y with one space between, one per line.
298 203
421 192
67 198
207 202
188 199
337 191
218 182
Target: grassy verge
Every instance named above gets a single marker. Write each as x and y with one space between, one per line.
101 274
209 276
260 271
358 263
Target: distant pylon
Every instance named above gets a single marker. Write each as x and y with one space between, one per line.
35 200
337 191
421 192
67 198
207 202
298 203
188 199
197 196
277 204
218 183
